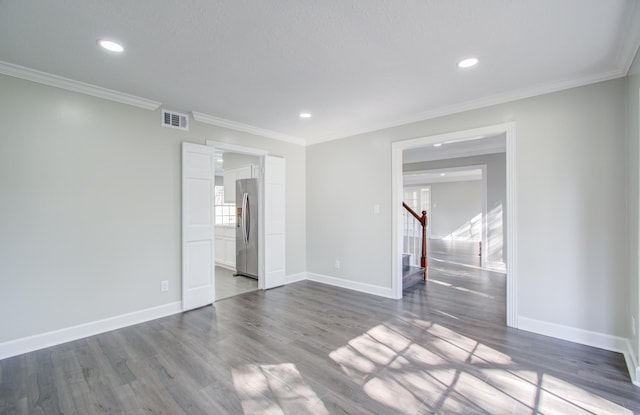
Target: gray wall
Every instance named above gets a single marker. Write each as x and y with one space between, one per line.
633 150
570 178
90 207
496 196
454 205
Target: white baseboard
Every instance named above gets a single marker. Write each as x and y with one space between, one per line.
572 334
351 285
52 338
588 338
301 276
230 267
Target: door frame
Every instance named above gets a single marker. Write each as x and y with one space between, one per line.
397 148
235 148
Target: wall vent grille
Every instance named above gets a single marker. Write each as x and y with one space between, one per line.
175 120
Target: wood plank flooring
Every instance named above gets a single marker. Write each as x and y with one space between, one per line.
312 348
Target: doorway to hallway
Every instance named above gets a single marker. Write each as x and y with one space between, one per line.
467 140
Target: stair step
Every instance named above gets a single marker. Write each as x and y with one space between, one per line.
412 276
405 262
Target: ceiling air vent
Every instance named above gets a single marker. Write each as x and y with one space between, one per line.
175 120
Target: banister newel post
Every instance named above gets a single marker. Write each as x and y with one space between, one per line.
423 260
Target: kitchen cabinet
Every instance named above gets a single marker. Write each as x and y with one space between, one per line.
225 249
250 171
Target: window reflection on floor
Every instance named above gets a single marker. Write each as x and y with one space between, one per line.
449 372
275 389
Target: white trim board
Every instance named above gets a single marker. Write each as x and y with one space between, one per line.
53 338
351 285
235 148
76 86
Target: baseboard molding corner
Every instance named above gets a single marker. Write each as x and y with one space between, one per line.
573 334
52 338
301 276
631 360
351 285
588 338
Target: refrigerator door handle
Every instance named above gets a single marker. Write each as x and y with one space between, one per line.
247 219
245 199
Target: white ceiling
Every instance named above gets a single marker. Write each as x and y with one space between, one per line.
356 65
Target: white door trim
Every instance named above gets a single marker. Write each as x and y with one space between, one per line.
236 148
509 129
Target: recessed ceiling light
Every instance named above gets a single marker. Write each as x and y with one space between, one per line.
443 174
437 144
111 46
467 63
305 115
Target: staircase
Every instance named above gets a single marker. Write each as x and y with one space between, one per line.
410 275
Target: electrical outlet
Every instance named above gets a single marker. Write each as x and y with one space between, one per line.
633 325
164 285
337 264
376 208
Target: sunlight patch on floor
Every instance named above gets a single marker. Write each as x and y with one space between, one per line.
463 289
275 389
449 372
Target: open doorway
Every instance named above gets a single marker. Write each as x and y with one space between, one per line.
403 151
232 166
455 199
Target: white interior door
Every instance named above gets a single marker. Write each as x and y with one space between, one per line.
274 222
198 230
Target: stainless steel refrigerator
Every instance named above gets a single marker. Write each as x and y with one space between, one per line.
247 227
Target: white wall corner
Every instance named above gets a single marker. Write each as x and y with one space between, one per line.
53 338
352 285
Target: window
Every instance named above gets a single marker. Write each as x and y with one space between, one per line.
225 213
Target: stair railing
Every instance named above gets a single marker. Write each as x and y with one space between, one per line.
422 219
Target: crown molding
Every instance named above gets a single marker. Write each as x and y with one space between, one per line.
234 125
476 104
33 75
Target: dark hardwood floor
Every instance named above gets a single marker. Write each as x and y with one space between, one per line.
313 348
